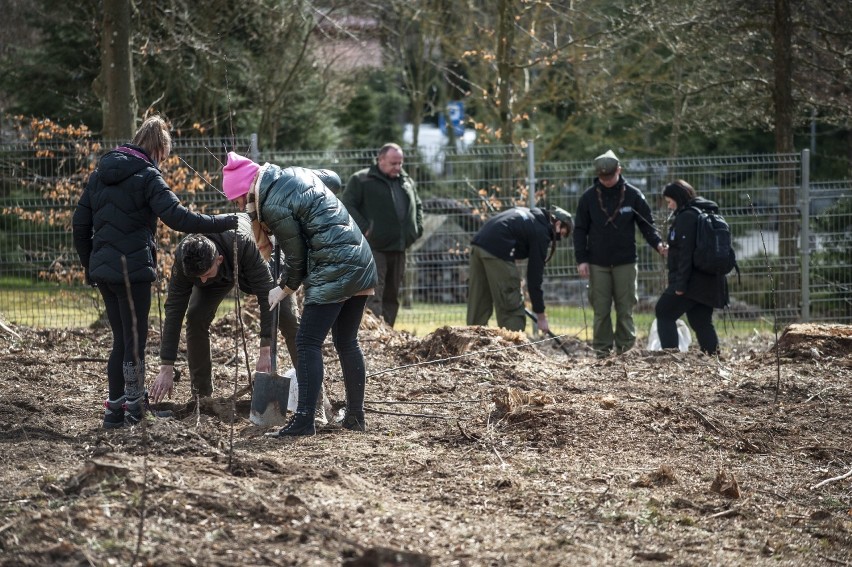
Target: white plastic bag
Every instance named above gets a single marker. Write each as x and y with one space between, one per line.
684 337
293 397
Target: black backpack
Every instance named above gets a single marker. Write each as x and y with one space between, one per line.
714 253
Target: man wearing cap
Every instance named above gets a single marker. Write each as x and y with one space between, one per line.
384 202
202 276
518 233
605 250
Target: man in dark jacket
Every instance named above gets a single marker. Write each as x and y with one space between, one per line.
202 276
495 281
605 249
384 202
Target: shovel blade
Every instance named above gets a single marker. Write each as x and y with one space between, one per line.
269 399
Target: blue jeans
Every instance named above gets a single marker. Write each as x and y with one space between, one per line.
343 320
126 345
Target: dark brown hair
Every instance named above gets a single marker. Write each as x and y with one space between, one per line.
680 192
199 254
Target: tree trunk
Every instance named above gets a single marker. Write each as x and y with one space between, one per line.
505 46
789 290
118 93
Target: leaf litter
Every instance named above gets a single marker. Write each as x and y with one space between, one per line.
481 449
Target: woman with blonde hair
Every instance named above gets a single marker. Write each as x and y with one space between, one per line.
114 228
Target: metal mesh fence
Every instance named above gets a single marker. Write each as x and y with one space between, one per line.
460 187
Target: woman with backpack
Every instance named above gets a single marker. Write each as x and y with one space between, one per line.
690 291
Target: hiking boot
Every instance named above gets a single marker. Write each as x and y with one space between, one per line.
354 421
114 413
301 424
133 412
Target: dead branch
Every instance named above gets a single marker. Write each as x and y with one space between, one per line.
447 403
704 419
724 514
830 480
833 560
9 330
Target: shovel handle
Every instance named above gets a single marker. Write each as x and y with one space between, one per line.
273 350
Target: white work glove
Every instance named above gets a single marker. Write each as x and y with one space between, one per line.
276 294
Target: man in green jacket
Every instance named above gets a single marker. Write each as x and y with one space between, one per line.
384 202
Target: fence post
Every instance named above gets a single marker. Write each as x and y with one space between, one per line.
531 171
805 234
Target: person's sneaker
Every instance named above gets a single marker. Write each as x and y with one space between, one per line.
114 413
301 424
354 421
319 416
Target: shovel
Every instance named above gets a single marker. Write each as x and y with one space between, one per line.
550 333
270 393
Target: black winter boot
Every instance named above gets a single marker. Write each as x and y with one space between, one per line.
134 392
114 413
301 424
354 421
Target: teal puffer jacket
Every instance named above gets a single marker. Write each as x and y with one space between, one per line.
324 248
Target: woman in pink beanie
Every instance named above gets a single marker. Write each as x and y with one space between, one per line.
326 253
237 175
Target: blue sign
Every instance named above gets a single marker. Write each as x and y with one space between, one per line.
455 110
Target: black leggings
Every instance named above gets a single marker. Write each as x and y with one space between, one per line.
670 307
120 317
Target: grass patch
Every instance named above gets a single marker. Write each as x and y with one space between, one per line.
52 306
421 319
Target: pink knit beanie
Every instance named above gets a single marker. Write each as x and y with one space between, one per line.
237 175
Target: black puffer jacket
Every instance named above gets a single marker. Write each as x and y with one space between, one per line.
520 233
708 289
117 216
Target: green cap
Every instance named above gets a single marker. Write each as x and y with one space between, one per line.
563 216
606 164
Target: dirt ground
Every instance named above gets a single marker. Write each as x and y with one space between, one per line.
480 450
